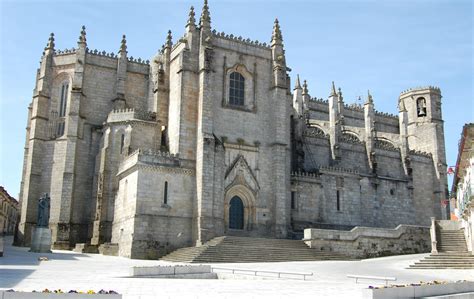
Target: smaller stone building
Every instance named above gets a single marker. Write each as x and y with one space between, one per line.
9 212
463 184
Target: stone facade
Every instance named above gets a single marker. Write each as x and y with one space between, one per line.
208 139
9 213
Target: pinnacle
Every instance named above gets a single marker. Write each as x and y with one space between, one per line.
191 18
169 40
50 44
369 98
123 44
339 94
305 87
276 35
333 90
82 37
297 84
205 20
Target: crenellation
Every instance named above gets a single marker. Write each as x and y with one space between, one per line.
240 39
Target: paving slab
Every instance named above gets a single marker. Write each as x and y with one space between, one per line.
21 270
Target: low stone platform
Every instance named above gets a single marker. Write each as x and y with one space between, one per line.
86 248
109 249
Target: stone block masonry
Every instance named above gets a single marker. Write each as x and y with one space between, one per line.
367 242
207 138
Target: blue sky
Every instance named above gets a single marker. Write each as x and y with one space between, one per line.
384 46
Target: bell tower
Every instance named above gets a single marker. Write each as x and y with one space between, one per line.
425 129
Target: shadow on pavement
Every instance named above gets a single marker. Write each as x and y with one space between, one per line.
15 261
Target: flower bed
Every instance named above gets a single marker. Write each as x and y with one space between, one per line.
58 294
415 290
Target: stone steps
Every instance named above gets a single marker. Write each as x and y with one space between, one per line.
230 249
452 253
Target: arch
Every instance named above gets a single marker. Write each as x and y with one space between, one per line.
247 198
314 131
421 106
351 136
385 143
236 213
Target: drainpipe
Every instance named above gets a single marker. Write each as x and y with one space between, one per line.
433 236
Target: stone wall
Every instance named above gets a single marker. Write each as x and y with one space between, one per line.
367 242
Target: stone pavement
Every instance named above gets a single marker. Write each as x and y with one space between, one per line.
21 270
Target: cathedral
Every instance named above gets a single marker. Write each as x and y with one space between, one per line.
210 138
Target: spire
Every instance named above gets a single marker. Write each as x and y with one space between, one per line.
276 35
123 44
191 18
297 84
305 87
82 37
50 44
369 98
169 40
205 20
333 90
340 94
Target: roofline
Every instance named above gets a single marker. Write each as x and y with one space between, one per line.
8 195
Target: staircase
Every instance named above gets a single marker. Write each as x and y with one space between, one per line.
452 252
230 249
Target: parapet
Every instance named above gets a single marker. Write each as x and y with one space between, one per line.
421 88
127 114
240 39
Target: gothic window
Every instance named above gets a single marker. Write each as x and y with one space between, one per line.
165 194
236 89
338 200
62 109
63 102
421 106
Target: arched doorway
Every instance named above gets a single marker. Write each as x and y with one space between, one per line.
236 213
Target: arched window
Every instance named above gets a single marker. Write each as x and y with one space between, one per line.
236 89
63 102
421 106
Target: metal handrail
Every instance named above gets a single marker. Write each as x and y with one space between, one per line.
255 272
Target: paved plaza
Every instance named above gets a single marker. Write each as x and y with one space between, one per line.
21 270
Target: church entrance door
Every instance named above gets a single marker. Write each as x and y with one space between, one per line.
236 213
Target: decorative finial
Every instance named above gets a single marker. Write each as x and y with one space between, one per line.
305 87
370 100
82 37
50 44
205 21
333 90
297 84
276 35
191 19
123 44
340 94
169 40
